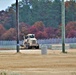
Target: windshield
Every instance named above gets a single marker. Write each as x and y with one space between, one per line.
31 36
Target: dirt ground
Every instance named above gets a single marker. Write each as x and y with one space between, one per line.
31 62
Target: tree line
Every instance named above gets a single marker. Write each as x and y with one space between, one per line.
39 29
41 17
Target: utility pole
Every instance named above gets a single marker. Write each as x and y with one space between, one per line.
17 25
63 26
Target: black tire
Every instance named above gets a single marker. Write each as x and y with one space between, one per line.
37 47
22 45
28 47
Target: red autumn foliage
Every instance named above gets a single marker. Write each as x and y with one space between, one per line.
40 31
50 32
67 3
39 25
23 29
58 31
41 35
70 28
9 34
33 30
2 29
71 34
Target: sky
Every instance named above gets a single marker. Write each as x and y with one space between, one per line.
4 4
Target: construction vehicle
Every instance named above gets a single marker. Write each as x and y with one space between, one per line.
30 42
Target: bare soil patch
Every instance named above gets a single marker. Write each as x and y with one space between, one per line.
31 62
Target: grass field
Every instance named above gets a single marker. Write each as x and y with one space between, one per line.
31 62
